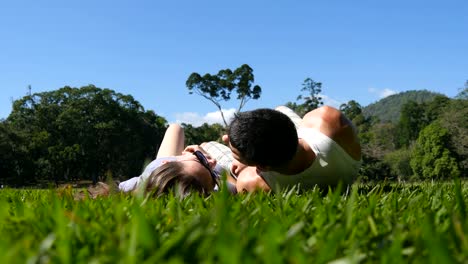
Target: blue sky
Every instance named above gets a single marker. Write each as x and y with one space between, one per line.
359 50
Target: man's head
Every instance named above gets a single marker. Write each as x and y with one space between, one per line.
264 138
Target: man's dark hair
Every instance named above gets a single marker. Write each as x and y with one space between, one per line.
263 137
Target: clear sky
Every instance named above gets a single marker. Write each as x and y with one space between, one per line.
359 50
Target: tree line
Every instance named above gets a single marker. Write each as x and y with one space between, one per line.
90 133
71 134
428 141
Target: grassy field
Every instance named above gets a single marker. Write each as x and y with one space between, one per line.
415 223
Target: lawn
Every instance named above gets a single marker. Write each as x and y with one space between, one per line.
381 223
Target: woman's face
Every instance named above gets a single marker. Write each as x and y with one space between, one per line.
194 166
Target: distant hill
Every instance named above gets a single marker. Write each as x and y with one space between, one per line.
388 108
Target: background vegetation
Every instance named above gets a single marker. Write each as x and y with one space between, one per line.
89 133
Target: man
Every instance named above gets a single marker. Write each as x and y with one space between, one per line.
323 151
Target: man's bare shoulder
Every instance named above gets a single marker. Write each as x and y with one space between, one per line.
325 118
334 124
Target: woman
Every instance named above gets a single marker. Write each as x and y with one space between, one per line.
178 169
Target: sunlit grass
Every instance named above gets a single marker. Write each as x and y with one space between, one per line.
420 223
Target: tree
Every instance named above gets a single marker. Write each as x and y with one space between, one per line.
373 169
432 157
412 120
454 118
218 88
351 110
433 109
415 116
203 133
310 101
463 92
15 162
399 163
85 133
379 140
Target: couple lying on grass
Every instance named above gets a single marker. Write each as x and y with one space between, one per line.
266 149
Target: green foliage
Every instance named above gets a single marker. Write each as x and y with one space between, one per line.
433 109
373 224
203 133
411 122
463 93
310 101
454 118
432 156
82 133
374 169
379 139
391 142
399 163
15 162
415 116
351 110
217 88
388 109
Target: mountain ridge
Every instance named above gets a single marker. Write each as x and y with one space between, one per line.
388 109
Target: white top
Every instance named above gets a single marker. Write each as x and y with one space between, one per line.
331 165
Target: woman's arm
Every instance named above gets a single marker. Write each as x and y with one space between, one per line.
173 142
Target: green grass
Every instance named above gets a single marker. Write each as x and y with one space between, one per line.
418 223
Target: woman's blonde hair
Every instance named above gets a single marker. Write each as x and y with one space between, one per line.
171 176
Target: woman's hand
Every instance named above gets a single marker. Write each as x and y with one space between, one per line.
192 149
